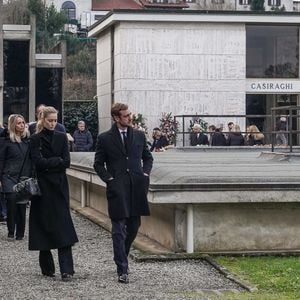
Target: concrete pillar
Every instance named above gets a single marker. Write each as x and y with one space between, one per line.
63 50
190 229
83 193
32 70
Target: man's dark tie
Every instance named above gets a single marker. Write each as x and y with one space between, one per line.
125 140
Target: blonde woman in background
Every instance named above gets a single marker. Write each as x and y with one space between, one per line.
14 149
254 136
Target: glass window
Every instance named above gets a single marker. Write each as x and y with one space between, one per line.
245 2
70 9
272 51
274 2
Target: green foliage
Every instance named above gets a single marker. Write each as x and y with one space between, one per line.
275 277
169 127
37 8
55 20
86 111
48 22
138 122
198 120
74 44
258 5
83 62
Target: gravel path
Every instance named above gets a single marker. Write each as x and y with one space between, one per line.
95 277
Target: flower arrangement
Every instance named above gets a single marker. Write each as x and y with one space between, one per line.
198 120
138 122
169 127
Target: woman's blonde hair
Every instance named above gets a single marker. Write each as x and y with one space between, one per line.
43 114
12 122
254 131
236 128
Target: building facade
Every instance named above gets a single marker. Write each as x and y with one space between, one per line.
191 62
27 79
87 12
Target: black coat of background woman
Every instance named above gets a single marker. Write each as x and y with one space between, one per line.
13 151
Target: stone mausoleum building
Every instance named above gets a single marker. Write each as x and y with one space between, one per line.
27 78
198 62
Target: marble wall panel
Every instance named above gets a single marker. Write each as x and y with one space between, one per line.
179 68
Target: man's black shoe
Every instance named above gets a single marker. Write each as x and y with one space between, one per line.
19 238
2 219
123 278
66 277
11 236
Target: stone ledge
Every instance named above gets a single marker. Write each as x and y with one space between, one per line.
141 242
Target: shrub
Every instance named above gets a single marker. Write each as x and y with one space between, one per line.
86 111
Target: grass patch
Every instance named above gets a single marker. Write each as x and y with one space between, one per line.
275 277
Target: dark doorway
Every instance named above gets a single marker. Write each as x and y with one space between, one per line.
261 104
49 88
16 78
256 105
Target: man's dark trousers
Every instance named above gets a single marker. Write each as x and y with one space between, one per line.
124 232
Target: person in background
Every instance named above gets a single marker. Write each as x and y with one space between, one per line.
50 222
14 163
218 138
197 137
32 126
83 140
254 136
159 140
230 126
211 131
124 162
281 136
235 137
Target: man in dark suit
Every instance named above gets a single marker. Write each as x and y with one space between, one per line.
124 162
198 137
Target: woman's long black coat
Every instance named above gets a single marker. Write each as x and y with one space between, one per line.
50 223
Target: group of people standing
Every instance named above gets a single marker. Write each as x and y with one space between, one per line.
234 136
122 160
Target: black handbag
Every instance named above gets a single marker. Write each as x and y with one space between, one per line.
26 187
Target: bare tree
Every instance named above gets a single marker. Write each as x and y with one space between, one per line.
15 12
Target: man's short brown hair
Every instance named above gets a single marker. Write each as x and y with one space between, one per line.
116 108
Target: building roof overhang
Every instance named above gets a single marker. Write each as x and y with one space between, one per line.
16 32
179 5
194 16
115 4
48 60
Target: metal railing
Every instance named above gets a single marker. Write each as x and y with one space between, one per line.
266 124
291 116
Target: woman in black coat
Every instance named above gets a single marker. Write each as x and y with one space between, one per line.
13 151
235 138
50 223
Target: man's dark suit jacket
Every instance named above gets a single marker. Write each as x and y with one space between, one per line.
202 139
127 191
